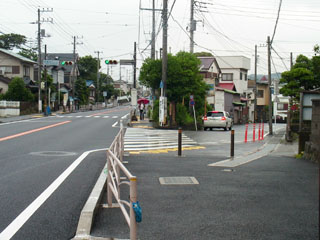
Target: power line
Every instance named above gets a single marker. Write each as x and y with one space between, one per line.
275 27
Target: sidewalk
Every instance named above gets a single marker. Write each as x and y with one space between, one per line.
273 197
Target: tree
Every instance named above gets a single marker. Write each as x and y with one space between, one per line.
12 40
82 91
183 80
88 67
304 75
17 91
29 53
203 54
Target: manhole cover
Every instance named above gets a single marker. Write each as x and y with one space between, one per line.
178 180
53 153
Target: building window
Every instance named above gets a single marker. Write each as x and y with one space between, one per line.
260 94
240 75
26 71
227 76
6 69
282 106
15 70
246 77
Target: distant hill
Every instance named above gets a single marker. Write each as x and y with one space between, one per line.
259 76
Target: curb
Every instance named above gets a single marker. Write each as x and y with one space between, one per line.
90 208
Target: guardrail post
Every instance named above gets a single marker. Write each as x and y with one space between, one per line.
121 141
133 198
109 193
246 134
179 141
232 144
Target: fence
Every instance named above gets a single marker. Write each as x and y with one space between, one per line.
9 108
114 181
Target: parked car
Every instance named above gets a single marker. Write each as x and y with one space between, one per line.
217 119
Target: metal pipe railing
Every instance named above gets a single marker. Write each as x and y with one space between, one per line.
115 168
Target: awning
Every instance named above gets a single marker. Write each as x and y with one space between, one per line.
238 103
228 86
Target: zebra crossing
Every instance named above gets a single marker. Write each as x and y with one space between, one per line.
139 140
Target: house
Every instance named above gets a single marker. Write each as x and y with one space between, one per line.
4 82
14 65
122 85
66 60
229 101
92 90
234 71
210 71
263 95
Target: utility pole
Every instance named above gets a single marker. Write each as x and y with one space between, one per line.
153 43
98 74
39 64
192 26
291 61
163 101
255 83
269 86
135 65
39 54
46 102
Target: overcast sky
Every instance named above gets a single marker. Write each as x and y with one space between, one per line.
229 27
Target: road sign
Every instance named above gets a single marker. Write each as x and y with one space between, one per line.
51 62
192 102
105 93
161 84
126 62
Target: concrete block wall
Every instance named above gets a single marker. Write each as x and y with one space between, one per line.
312 148
9 108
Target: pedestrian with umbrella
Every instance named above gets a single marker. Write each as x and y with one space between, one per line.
142 102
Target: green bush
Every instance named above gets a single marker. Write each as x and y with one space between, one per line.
155 112
182 116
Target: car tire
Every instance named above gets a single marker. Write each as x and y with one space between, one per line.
226 128
230 128
205 129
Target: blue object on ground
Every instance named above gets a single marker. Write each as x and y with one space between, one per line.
137 210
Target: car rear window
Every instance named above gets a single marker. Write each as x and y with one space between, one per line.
215 114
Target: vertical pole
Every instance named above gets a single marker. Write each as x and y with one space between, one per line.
133 198
165 46
179 141
255 84
232 144
195 119
269 83
259 133
109 192
191 26
153 43
262 137
291 60
39 64
246 134
98 66
254 133
73 71
135 65
45 80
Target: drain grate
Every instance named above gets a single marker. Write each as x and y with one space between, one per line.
178 180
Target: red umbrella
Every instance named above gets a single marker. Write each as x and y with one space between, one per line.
144 100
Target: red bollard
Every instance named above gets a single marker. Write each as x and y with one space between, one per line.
259 134
246 134
254 133
262 137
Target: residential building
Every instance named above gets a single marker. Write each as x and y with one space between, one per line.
92 90
263 95
210 71
234 71
4 82
14 65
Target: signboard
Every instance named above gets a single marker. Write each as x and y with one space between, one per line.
105 93
162 110
134 97
126 62
51 62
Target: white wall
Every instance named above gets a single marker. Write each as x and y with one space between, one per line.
9 108
219 101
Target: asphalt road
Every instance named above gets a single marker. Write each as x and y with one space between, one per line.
34 202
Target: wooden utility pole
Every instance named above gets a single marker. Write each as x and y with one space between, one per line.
269 86
164 46
98 74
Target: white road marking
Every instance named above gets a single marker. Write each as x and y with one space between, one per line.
106 116
88 116
23 217
96 116
114 124
115 117
16 122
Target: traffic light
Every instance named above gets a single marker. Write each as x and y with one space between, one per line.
111 61
63 63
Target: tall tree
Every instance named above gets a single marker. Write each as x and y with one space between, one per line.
12 40
29 53
82 92
304 75
88 67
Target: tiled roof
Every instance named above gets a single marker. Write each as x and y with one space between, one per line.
206 62
16 55
228 86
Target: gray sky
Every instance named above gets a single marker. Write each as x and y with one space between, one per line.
229 27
